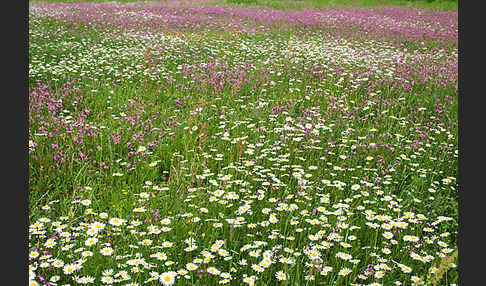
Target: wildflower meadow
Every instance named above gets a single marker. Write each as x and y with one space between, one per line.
204 142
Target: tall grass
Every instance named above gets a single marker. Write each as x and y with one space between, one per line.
445 5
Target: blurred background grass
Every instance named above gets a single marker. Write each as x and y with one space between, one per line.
298 4
290 4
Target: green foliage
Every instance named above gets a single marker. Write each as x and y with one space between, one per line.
288 4
442 267
243 2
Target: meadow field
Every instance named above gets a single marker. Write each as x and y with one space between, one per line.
263 142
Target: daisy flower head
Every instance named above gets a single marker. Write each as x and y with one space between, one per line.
410 238
69 269
379 274
265 263
159 256
106 251
91 241
139 210
191 266
309 277
280 275
213 270
153 164
286 260
344 272
107 280
183 272
327 268
257 268
33 254
324 272
87 253
344 256
197 260
417 280
165 221
50 243
167 244
116 221
273 219
405 268
250 280
86 202
225 275
92 231
223 252
168 278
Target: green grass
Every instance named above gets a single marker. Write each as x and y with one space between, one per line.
86 1
447 5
